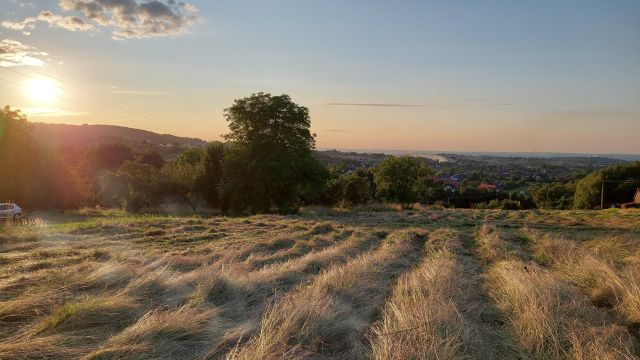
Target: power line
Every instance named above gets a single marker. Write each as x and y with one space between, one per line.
118 115
123 106
622 181
77 103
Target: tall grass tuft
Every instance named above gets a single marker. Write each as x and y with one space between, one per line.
551 319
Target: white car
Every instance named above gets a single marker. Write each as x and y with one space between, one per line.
10 211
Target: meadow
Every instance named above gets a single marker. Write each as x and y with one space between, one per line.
368 283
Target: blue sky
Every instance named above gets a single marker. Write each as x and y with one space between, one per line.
445 75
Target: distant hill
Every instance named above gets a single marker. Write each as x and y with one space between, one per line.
90 136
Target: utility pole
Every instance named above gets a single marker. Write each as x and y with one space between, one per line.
602 195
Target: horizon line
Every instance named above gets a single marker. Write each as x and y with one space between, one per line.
437 152
367 150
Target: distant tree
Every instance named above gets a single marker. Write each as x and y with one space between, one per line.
557 196
191 156
333 187
401 179
433 193
357 188
209 176
178 179
468 195
134 186
588 189
110 156
113 190
269 163
153 158
504 204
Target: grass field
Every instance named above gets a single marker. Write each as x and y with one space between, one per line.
421 284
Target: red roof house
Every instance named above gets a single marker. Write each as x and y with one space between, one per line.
487 187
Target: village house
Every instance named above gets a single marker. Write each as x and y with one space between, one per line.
487 187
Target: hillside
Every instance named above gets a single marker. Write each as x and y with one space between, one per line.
420 284
88 136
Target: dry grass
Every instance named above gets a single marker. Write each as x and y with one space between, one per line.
328 317
606 284
435 311
327 283
423 318
551 319
491 247
174 334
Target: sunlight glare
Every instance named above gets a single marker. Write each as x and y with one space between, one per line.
41 90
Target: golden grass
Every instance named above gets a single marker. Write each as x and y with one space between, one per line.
551 319
176 334
327 283
47 347
491 247
423 319
329 316
436 311
603 282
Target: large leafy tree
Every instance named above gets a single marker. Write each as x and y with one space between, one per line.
269 164
24 171
401 179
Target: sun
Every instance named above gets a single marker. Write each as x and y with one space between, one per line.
41 90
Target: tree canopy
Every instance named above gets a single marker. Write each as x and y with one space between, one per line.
401 179
269 164
22 167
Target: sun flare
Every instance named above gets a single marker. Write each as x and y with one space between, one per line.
41 90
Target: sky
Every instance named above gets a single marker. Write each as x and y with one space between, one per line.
512 76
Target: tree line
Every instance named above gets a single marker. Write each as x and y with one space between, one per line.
266 164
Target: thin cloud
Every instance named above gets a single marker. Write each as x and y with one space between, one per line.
494 102
15 53
374 104
467 103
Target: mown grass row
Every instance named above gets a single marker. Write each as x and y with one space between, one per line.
329 317
547 315
347 285
434 311
163 305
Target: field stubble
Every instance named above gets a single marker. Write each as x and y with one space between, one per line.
384 284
